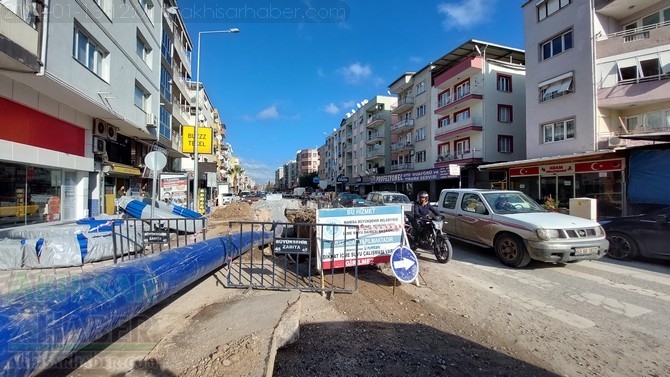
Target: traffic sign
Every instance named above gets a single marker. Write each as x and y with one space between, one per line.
404 264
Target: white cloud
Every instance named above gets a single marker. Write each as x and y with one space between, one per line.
348 104
320 72
268 113
465 13
331 108
258 171
356 73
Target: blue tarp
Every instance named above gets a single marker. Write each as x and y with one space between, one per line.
41 326
649 177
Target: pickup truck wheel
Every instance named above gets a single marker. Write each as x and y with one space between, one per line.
511 251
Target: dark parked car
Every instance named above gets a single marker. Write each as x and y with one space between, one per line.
348 200
639 236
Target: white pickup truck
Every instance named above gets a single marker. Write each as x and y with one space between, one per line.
518 228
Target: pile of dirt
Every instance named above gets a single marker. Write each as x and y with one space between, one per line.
238 211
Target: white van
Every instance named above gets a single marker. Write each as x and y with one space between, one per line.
298 191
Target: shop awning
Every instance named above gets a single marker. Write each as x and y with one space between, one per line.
121 169
533 161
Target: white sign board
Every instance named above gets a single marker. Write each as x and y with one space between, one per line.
379 234
454 169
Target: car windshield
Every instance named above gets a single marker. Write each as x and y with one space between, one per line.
512 202
396 198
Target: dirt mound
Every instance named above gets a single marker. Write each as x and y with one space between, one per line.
238 211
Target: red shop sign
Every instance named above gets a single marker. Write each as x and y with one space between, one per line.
602 165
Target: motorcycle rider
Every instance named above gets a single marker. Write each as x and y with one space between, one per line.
421 209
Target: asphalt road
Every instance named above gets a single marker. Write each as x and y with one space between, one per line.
593 317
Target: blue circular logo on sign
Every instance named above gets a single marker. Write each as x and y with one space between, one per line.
404 264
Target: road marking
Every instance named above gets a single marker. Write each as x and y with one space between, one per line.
625 287
628 271
536 305
520 276
616 306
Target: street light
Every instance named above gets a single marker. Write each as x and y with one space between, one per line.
197 111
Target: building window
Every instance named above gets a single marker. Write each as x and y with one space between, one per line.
89 53
559 131
651 19
420 87
505 144
421 156
106 6
166 87
421 134
443 98
556 87
462 147
462 115
556 45
443 122
420 111
504 83
148 8
633 70
546 8
141 98
165 123
462 90
166 47
444 149
505 113
143 50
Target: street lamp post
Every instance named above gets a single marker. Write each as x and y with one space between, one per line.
197 112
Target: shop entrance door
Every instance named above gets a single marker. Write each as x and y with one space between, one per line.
561 188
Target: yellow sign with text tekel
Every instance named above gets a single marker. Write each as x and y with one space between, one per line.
204 139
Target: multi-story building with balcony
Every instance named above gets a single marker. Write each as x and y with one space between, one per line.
308 161
79 91
479 114
597 96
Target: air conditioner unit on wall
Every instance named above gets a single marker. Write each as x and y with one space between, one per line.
100 128
111 132
615 141
151 120
99 145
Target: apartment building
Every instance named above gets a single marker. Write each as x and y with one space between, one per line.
598 96
308 161
76 89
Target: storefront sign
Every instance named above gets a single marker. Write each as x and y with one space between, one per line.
174 188
204 139
124 169
599 166
553 169
521 172
413 176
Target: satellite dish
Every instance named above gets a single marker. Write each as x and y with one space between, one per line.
365 101
155 160
358 105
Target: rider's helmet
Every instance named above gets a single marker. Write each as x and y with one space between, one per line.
422 196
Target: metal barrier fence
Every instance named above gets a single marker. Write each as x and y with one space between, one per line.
134 238
290 262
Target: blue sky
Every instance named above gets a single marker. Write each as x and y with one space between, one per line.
293 71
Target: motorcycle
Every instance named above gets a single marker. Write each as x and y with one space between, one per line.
429 237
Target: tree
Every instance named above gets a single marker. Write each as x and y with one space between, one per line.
307 180
235 172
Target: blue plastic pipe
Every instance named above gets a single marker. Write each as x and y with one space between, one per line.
41 326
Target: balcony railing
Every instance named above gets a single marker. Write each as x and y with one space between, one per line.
375 119
403 103
472 121
376 153
405 166
405 123
633 40
374 136
402 146
446 100
176 141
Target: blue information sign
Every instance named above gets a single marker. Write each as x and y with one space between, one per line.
404 264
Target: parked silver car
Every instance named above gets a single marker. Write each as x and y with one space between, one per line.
387 198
